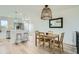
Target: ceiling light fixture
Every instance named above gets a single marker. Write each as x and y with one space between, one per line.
46 13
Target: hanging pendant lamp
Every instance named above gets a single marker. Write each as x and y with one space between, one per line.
46 13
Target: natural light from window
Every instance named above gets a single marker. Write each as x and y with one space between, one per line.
4 24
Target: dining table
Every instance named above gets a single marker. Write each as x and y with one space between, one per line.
50 38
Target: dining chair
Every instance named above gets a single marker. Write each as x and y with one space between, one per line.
39 36
58 43
61 41
48 37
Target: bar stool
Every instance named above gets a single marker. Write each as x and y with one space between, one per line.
25 37
18 38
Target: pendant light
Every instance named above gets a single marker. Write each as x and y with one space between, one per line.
46 13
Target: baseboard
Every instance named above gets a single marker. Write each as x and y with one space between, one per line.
70 45
71 48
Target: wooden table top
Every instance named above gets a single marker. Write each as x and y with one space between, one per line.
51 37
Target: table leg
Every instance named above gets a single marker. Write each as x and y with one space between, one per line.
49 43
35 41
53 45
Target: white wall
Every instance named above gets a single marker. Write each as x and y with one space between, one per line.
70 23
70 16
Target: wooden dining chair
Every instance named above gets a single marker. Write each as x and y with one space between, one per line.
39 36
58 43
48 37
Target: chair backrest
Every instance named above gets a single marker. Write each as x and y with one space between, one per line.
36 34
41 33
62 37
50 33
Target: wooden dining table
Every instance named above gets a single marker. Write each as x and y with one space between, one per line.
50 39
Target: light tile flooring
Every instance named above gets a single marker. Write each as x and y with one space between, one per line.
29 48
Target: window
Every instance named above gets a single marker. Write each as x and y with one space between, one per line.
4 24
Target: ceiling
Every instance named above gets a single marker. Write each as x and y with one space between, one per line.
31 9
57 7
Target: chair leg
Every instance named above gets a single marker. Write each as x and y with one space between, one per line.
43 43
53 45
39 42
62 48
49 44
53 49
